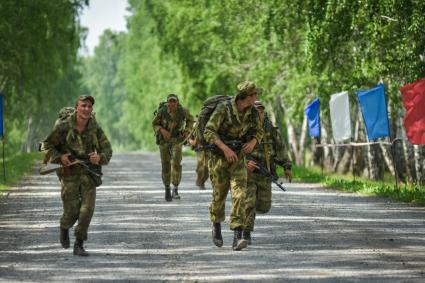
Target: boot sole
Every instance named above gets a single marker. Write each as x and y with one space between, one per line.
66 246
240 245
81 254
218 243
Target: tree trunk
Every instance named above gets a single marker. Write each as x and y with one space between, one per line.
375 166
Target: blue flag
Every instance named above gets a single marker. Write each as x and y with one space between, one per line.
1 114
374 110
312 111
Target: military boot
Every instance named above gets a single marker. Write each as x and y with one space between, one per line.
216 234
246 235
238 242
176 193
79 249
64 238
168 194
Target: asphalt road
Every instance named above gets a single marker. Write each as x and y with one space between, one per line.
311 234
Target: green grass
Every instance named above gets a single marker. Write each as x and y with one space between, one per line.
16 167
405 193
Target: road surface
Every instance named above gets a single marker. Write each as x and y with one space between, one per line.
311 234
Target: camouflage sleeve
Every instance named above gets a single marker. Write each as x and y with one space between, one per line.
53 142
214 123
156 123
105 148
258 130
189 122
282 157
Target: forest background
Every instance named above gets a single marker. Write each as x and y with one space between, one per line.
296 50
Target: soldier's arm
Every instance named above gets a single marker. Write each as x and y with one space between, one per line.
213 125
52 143
105 148
189 122
282 156
156 122
257 130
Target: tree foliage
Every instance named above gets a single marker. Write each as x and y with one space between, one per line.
38 60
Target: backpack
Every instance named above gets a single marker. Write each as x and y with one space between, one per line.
204 115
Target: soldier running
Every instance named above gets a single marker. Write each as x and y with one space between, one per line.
172 124
271 152
78 136
234 119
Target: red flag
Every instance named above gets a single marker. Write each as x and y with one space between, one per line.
413 96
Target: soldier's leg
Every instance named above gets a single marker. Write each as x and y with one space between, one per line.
264 195
70 194
220 183
251 198
71 203
166 164
201 169
176 165
88 200
220 180
238 186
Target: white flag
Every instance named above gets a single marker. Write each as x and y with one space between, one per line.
340 116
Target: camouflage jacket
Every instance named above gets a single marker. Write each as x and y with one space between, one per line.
178 124
66 139
226 123
272 150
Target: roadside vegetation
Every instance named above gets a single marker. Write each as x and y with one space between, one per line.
404 192
17 167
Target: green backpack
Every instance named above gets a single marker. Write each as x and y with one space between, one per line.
204 115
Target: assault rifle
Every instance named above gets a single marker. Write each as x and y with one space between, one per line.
233 144
264 172
87 166
237 145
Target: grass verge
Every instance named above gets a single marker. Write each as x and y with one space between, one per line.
404 193
16 167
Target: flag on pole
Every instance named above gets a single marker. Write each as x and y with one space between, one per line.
1 114
340 116
312 111
374 110
413 96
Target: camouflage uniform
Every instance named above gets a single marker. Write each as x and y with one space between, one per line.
202 168
179 124
259 195
226 123
202 173
78 188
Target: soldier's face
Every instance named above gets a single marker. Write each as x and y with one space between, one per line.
252 99
172 104
84 109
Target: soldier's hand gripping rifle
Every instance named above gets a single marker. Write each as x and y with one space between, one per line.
265 172
237 145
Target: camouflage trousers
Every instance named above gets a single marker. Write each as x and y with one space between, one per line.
202 168
78 198
227 176
171 158
259 198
